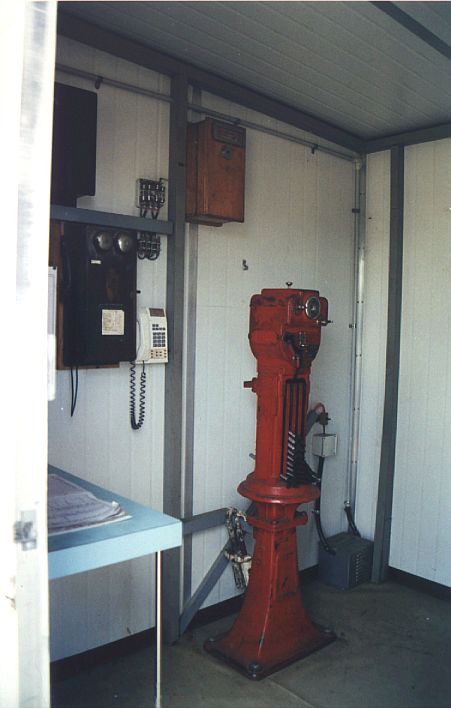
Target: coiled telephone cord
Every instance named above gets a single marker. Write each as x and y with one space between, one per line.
137 424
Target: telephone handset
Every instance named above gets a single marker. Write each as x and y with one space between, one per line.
152 348
151 336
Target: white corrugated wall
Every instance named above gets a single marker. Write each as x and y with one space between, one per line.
421 522
421 526
298 227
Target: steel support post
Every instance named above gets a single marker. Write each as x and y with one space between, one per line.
388 447
190 376
173 414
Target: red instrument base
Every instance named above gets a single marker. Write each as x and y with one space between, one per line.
272 629
222 647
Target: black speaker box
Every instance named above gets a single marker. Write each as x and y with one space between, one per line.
74 144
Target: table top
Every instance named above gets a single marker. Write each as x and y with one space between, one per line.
146 532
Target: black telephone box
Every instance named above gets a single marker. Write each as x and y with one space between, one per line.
99 295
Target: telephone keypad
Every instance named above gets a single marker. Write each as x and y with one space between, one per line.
159 346
159 336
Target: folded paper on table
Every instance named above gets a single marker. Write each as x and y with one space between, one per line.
70 507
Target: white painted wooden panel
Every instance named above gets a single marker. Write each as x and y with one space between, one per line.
97 443
341 61
374 339
27 51
298 227
421 527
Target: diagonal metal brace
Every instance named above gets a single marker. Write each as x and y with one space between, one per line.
207 584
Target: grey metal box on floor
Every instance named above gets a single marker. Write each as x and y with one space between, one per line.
351 563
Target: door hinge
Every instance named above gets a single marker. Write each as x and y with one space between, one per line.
25 531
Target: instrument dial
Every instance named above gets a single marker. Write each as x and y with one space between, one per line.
313 308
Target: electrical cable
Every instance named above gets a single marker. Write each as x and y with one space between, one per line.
351 522
321 535
317 510
137 424
73 390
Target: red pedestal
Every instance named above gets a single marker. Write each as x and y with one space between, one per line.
273 629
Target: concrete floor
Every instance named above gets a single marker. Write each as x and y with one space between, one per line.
393 650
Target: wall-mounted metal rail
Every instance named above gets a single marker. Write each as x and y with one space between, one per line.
314 145
99 79
357 330
130 50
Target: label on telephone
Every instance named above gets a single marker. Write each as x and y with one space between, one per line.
113 322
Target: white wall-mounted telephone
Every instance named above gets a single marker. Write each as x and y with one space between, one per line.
152 336
151 348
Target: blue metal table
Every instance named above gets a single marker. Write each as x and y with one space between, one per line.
146 532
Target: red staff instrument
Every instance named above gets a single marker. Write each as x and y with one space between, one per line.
273 629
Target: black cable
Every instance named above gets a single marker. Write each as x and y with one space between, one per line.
351 522
137 424
321 534
73 391
317 510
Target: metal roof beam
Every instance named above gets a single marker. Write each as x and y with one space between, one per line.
414 27
412 137
107 41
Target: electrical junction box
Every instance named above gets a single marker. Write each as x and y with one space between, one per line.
324 444
350 566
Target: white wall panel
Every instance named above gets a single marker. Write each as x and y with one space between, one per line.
421 527
374 339
97 443
298 227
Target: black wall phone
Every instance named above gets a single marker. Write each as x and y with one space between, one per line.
99 295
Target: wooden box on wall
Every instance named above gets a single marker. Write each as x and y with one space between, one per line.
215 172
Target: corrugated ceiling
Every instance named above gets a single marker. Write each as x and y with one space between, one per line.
348 63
